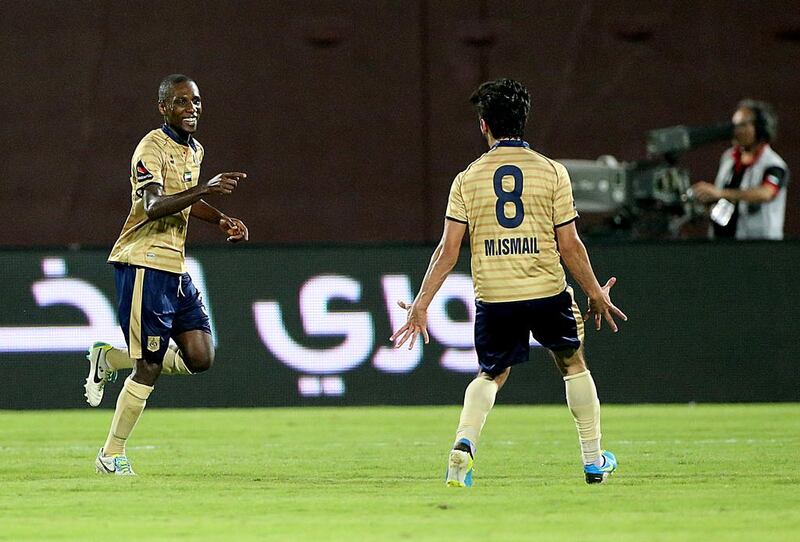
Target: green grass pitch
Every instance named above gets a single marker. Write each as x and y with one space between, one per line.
704 473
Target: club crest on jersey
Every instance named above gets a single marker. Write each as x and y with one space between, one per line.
187 177
142 173
153 343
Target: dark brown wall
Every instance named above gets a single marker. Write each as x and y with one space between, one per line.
351 118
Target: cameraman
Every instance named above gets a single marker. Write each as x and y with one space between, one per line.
750 188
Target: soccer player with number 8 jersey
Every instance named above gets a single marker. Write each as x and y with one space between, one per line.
520 212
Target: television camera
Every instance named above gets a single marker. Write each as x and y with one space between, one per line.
648 198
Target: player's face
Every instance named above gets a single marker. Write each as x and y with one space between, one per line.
744 127
183 107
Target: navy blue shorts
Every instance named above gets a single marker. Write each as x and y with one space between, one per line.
155 306
502 330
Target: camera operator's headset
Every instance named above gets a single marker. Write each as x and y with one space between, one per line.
766 122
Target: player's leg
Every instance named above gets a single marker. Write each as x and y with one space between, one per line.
584 405
104 359
478 401
113 358
112 458
191 331
582 400
151 303
500 341
557 324
194 354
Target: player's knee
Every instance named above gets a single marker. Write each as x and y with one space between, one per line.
199 362
569 361
145 372
574 369
499 378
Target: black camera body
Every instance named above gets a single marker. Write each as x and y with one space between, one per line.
654 189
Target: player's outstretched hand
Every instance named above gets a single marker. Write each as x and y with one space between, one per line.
416 323
224 183
234 229
602 308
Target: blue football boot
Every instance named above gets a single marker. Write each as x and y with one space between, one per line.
598 475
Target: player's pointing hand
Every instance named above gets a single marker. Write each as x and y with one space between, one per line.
224 183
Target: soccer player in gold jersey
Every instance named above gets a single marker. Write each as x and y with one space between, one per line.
520 212
157 300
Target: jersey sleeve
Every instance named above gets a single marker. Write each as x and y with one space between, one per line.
456 209
564 210
147 166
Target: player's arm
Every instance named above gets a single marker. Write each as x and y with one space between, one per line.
442 262
232 227
158 205
573 253
206 212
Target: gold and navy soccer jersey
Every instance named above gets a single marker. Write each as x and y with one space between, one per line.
162 158
512 199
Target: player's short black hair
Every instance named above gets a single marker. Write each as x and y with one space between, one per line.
766 121
504 104
166 85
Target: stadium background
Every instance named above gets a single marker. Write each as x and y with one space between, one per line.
351 119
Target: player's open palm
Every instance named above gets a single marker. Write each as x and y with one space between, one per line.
416 323
601 307
224 183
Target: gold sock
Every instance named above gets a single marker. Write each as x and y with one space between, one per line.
130 405
173 363
118 359
585 407
478 401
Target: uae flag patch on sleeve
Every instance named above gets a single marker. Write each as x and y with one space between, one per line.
142 173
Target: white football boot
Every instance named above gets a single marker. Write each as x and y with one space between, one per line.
460 465
115 464
99 373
